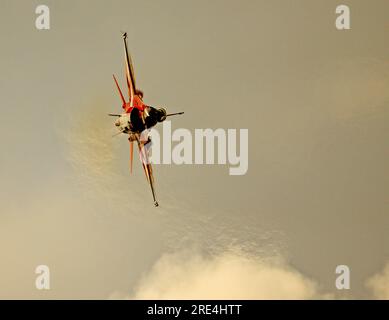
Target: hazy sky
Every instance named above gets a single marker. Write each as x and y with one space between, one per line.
315 101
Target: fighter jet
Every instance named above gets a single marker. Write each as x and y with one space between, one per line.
138 118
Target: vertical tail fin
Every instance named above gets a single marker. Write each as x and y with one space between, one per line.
120 91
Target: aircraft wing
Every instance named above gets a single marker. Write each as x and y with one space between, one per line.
130 75
143 151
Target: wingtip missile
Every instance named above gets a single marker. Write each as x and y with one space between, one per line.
124 34
174 114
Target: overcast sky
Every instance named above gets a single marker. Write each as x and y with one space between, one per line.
315 102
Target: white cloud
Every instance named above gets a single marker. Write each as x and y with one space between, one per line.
229 275
379 284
